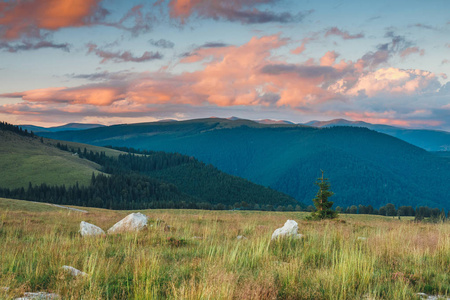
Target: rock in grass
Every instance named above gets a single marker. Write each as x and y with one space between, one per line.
38 296
88 229
72 271
430 297
132 222
241 237
289 229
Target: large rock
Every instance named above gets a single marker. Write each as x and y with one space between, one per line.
132 222
38 296
289 229
88 229
72 271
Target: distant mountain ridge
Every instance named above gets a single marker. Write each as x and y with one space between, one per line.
69 126
364 166
264 121
430 140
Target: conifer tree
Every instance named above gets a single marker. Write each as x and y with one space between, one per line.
323 206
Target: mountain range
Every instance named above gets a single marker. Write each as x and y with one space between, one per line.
363 165
66 127
430 140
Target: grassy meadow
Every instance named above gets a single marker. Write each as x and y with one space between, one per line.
25 160
199 257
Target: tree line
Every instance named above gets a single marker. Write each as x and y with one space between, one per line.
16 129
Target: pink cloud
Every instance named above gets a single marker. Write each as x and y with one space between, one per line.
390 81
390 118
124 56
343 34
89 94
300 49
412 50
34 18
329 58
27 18
244 11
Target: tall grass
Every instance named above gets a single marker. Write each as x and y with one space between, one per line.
200 257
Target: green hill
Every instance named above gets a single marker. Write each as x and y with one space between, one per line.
121 180
364 166
25 159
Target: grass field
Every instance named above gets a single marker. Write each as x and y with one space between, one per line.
25 160
200 257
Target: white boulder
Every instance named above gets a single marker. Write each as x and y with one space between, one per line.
431 297
72 271
132 222
88 229
289 229
38 295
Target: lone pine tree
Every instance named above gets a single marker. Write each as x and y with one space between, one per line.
323 206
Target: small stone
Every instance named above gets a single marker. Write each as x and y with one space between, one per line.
289 229
430 297
241 237
88 229
38 296
132 222
74 272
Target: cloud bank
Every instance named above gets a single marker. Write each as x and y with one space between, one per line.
243 11
250 77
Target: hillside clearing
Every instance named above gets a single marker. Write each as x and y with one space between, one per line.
25 160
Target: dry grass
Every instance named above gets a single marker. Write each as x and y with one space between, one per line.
200 257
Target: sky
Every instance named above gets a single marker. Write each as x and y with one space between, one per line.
114 62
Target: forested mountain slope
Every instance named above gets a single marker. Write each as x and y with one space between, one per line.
430 140
364 166
62 173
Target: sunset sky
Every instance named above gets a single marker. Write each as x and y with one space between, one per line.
113 61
